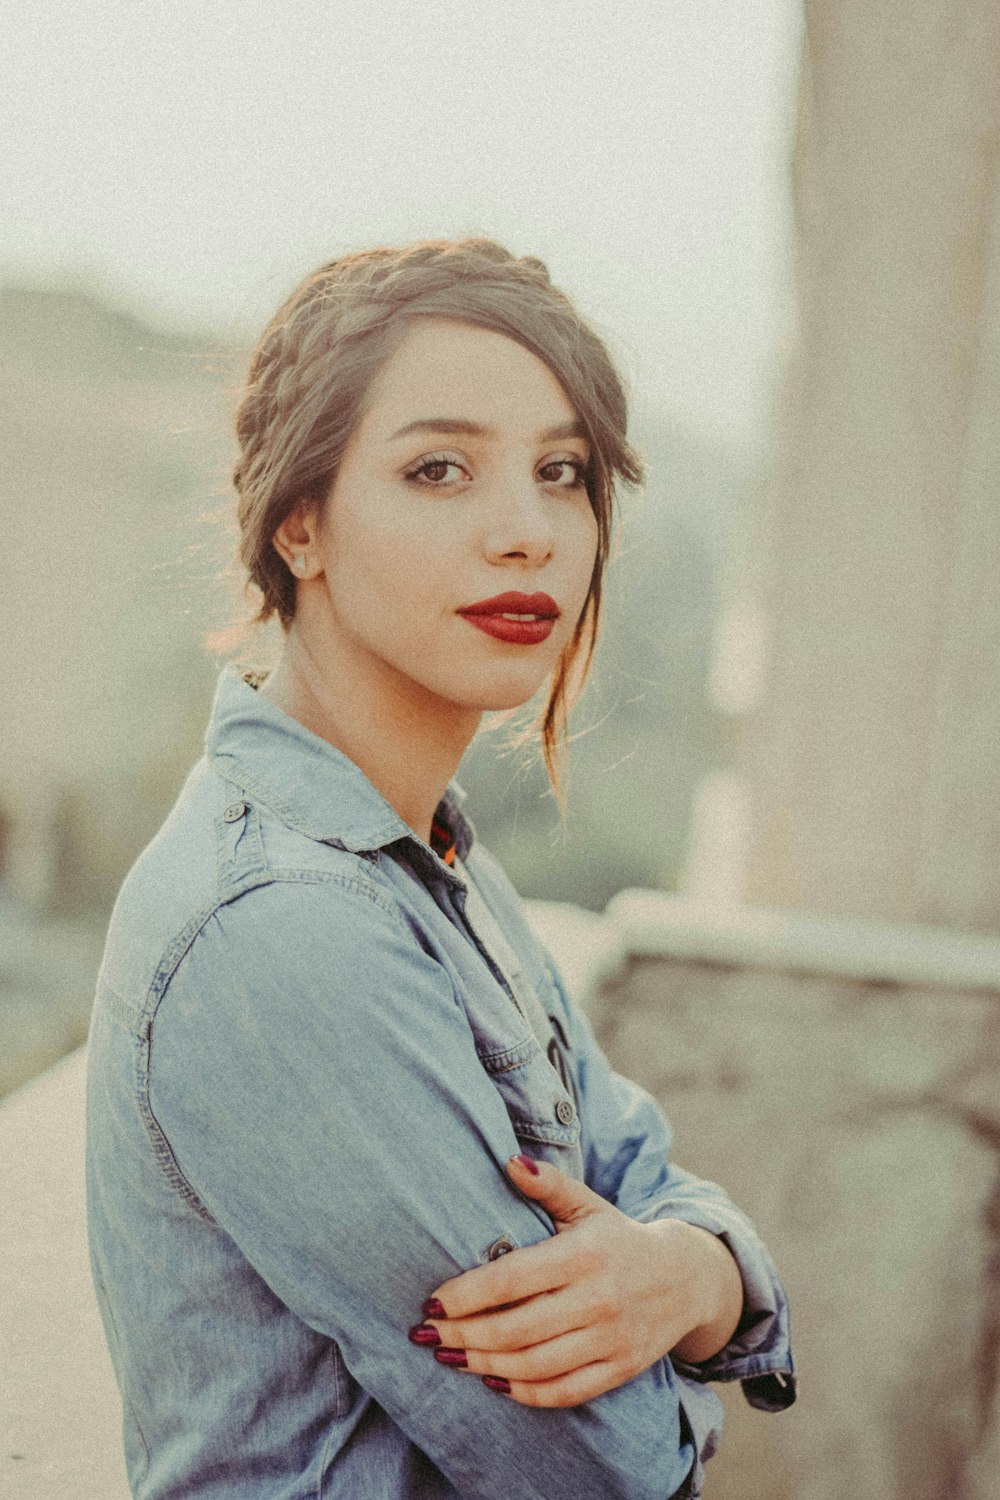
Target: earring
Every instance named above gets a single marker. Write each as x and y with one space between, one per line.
300 562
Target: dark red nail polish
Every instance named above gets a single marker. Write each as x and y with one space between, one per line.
423 1333
528 1162
456 1357
497 1383
432 1309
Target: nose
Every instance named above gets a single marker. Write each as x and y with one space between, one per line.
520 525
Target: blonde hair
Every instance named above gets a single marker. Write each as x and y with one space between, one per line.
312 368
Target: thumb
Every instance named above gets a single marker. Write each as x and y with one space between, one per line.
567 1200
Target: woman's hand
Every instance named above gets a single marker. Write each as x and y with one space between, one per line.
557 1323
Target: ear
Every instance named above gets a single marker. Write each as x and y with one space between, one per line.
296 540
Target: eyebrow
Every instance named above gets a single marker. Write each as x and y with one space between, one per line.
571 429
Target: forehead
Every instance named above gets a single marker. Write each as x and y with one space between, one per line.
466 372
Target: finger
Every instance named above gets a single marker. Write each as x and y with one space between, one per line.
544 1361
527 1272
572 1389
533 1322
566 1199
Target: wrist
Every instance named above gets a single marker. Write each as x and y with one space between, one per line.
716 1299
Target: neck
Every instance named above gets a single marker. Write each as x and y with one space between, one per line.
407 741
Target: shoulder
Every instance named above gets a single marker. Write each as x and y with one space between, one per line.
296 956
301 997
219 851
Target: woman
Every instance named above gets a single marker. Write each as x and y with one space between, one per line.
350 1146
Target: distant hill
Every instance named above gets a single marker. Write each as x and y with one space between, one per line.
116 448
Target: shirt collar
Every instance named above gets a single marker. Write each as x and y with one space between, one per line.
313 787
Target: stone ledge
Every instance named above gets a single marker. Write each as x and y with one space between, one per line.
60 1415
652 924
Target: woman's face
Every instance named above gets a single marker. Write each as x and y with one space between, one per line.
463 482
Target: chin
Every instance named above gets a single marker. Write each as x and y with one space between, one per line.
498 697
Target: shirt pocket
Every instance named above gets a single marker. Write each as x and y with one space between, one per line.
541 1109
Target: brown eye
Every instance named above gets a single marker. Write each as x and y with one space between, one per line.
433 472
573 475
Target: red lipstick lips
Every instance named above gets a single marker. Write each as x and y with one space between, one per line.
519 619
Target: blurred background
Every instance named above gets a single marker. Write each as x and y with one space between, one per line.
778 889
168 175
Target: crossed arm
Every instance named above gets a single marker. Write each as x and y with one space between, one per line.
367 1169
563 1321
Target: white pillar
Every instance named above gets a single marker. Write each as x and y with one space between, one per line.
870 761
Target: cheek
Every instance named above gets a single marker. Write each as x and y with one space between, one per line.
365 549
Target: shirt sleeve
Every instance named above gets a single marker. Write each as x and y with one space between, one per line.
626 1149
314 1074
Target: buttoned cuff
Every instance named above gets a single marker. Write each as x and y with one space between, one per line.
759 1354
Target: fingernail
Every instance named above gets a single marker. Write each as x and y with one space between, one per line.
497 1383
423 1333
432 1309
456 1357
528 1163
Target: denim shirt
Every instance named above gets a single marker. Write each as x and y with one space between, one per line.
306 1074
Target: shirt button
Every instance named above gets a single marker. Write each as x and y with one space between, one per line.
565 1113
502 1246
234 812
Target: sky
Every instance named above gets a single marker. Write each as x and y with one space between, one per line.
193 161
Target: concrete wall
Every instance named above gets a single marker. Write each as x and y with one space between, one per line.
842 1081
